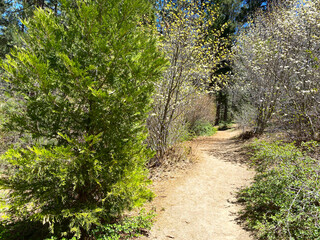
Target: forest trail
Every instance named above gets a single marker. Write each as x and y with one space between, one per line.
200 204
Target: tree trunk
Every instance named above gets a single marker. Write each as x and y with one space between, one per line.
218 109
226 108
222 107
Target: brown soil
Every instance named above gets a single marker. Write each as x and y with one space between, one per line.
200 204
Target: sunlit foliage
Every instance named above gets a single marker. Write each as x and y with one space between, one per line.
184 27
83 81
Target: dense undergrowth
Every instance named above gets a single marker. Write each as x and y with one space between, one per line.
203 128
124 228
283 202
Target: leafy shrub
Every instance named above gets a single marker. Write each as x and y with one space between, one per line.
203 128
83 80
23 230
7 138
224 126
268 155
126 228
284 201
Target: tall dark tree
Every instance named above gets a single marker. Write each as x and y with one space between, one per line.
8 23
226 24
11 12
250 7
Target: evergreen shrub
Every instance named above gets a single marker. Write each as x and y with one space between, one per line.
83 80
203 128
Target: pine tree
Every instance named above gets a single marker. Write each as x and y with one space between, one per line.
8 23
226 24
84 81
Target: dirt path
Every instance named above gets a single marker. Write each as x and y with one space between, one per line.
200 204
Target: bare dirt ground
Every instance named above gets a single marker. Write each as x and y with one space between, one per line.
199 204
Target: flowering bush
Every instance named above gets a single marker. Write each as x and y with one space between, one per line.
277 68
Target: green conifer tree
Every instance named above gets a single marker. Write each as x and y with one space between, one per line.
84 81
